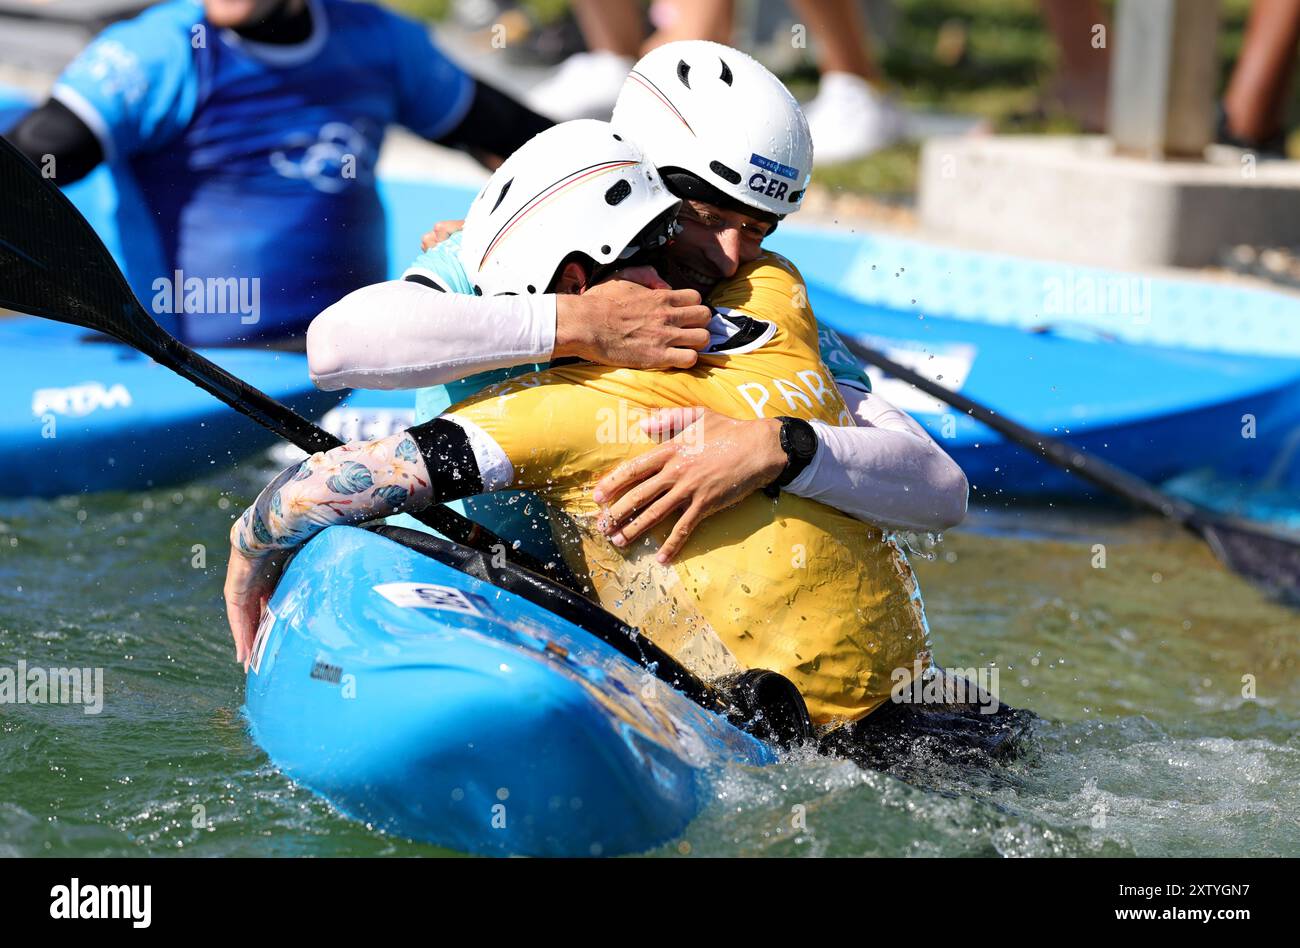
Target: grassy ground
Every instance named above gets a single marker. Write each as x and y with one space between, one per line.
989 58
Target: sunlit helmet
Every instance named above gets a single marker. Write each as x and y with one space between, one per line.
579 187
710 114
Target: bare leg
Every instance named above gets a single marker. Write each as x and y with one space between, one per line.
850 118
612 25
1257 91
587 83
841 34
1084 76
692 19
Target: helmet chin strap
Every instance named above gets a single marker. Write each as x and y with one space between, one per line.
642 257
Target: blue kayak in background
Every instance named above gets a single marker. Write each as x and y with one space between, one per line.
1157 412
1166 377
81 413
435 706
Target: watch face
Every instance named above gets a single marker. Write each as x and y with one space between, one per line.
804 440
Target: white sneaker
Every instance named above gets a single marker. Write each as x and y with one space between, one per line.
849 119
583 86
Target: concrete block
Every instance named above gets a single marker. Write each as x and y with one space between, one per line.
1075 199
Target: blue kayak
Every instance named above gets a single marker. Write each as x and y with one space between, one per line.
79 413
438 707
1156 411
1166 309
1190 360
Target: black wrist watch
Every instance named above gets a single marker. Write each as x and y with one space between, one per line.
799 442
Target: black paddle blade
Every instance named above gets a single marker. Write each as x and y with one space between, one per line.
1270 560
52 263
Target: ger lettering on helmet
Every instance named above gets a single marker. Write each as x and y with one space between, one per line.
719 127
577 188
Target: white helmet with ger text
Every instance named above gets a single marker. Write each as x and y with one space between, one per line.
715 113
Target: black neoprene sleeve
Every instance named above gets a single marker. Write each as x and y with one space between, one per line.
453 470
495 123
53 130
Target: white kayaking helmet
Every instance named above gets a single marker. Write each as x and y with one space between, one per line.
578 187
708 112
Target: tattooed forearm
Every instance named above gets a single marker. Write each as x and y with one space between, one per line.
352 484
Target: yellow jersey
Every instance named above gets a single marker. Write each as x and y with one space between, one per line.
790 584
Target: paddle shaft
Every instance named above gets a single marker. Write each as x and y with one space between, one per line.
1088 467
299 431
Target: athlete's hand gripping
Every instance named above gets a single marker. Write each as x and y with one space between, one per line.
708 463
633 320
249 584
441 231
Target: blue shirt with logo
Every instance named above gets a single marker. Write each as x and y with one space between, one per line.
255 161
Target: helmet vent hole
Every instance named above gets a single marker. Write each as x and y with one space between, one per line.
684 73
605 249
531 288
502 196
726 72
617 137
617 193
722 171
478 290
795 196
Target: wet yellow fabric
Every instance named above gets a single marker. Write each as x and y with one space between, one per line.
789 585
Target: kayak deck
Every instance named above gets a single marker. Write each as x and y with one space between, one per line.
438 707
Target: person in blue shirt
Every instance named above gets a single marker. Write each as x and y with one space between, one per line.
248 127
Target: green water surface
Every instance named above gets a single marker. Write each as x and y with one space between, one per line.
1168 690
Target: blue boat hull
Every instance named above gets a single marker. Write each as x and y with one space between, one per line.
79 416
440 708
1174 311
1157 412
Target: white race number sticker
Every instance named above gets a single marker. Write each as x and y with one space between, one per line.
430 596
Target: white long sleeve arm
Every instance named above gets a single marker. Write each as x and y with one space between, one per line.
425 337
888 470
